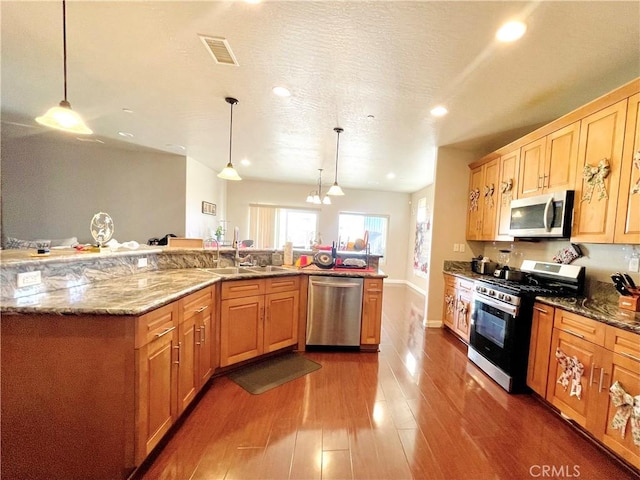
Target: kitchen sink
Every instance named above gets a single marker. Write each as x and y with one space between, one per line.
229 271
268 269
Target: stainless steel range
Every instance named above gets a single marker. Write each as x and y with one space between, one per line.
501 318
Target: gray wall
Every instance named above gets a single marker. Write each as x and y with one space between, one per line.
52 185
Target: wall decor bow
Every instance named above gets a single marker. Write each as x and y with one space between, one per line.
488 194
474 196
594 176
636 163
572 371
628 407
450 300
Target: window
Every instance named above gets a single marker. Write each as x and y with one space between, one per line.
271 226
352 226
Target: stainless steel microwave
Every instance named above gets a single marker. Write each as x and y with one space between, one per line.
545 216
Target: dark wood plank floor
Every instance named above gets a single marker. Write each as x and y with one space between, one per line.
417 409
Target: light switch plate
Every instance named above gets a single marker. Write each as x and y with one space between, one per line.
456 247
142 262
462 247
634 264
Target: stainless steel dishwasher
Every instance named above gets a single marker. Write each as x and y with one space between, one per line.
334 311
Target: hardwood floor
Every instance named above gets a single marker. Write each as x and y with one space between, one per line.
417 409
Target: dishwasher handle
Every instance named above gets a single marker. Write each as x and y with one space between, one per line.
339 285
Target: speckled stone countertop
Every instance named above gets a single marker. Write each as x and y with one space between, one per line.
601 304
141 292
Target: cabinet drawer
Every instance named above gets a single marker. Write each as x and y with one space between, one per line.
242 288
196 302
156 324
449 280
373 285
579 326
623 342
464 284
282 284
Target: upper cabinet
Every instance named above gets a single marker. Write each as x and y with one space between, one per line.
549 163
482 201
507 191
628 212
599 163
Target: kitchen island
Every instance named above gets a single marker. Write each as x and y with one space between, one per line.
102 357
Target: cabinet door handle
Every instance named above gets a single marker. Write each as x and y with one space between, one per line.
540 182
158 335
202 334
628 355
540 309
202 309
544 181
593 367
178 348
601 378
573 333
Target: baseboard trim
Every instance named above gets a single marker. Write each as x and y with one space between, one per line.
407 283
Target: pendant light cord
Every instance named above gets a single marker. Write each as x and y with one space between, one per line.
64 45
230 131
338 130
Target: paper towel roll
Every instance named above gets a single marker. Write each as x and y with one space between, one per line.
288 253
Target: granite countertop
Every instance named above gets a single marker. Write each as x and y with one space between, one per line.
141 292
603 308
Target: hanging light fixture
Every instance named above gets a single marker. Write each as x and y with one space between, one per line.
62 117
315 195
335 188
228 172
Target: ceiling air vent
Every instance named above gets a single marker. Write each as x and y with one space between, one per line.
219 49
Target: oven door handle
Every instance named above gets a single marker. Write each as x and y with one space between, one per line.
510 309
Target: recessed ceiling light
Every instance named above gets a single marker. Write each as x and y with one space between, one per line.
371 117
245 162
511 31
391 175
125 134
89 140
281 91
439 111
127 110
252 1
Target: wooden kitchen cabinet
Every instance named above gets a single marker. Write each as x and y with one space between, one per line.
540 347
253 323
371 312
464 299
482 202
449 306
627 228
608 355
600 152
157 377
549 163
507 191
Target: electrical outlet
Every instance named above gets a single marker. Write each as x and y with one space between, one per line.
634 264
28 279
456 247
462 247
142 262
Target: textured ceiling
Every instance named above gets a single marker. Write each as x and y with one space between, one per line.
342 61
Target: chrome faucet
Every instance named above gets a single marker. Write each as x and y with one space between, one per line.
237 259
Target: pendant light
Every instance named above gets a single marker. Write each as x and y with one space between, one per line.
228 172
315 195
335 188
62 117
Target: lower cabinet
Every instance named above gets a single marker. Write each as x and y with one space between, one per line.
539 348
458 298
174 360
371 313
257 316
586 359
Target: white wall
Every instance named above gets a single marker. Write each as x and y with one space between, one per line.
418 281
203 185
395 205
449 222
52 185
